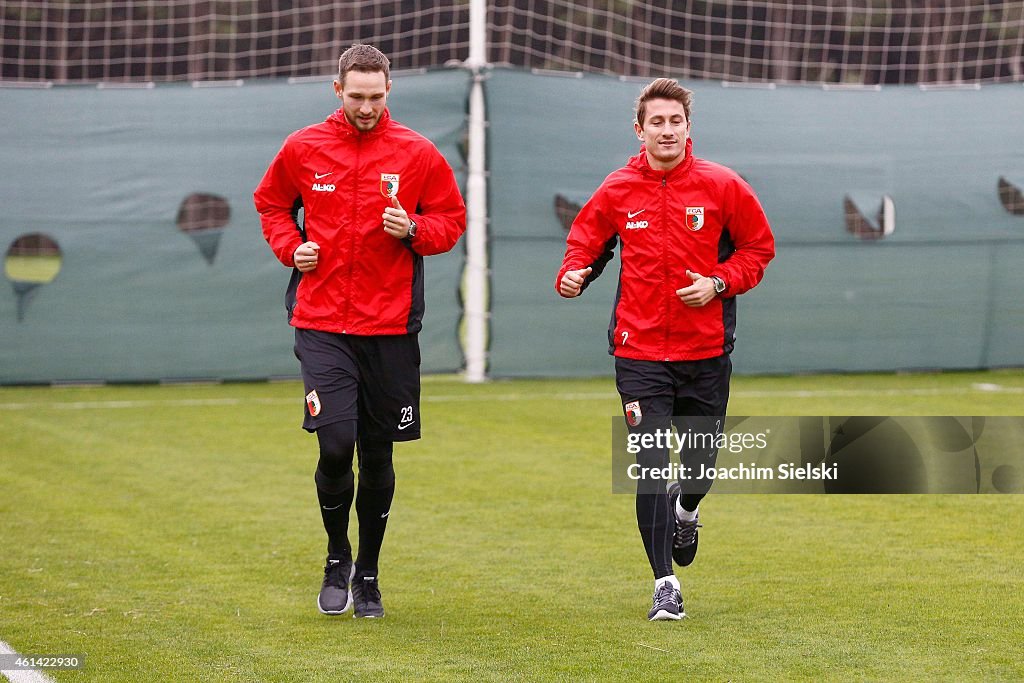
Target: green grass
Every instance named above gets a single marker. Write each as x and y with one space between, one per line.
172 533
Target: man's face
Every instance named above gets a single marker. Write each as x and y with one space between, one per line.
363 97
664 133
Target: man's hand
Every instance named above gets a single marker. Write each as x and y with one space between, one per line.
396 220
572 282
699 293
306 256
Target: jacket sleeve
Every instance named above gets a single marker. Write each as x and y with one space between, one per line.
591 241
441 214
275 199
751 237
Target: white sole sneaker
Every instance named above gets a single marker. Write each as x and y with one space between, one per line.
662 615
348 598
334 613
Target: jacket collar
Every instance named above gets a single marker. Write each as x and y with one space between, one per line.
640 163
347 130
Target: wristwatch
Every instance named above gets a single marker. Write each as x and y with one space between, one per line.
719 284
412 229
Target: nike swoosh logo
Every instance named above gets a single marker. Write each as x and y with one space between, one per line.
633 214
407 424
318 176
333 508
385 514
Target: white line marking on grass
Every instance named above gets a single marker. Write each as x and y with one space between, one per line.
826 393
21 675
466 398
184 402
651 647
206 402
588 396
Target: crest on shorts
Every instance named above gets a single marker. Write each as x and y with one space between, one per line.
313 403
633 413
389 184
695 217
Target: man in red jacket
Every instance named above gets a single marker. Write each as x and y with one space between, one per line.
693 236
377 197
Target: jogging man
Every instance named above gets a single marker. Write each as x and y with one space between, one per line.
377 197
694 236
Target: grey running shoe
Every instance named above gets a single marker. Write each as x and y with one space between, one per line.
366 595
335 596
668 604
684 540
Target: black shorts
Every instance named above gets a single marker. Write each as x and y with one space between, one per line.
667 388
372 379
692 396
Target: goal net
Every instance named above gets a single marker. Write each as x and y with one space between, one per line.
121 40
860 42
866 42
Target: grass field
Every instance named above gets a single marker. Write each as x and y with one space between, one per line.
172 533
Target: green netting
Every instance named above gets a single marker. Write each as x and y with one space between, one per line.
943 291
104 173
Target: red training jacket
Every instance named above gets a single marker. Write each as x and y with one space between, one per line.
699 216
366 282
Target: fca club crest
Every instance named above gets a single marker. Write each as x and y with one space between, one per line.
633 413
313 403
389 184
695 217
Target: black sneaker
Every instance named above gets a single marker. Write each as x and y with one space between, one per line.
668 604
366 596
684 540
335 595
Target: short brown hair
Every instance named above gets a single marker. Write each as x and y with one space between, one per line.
663 89
364 58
